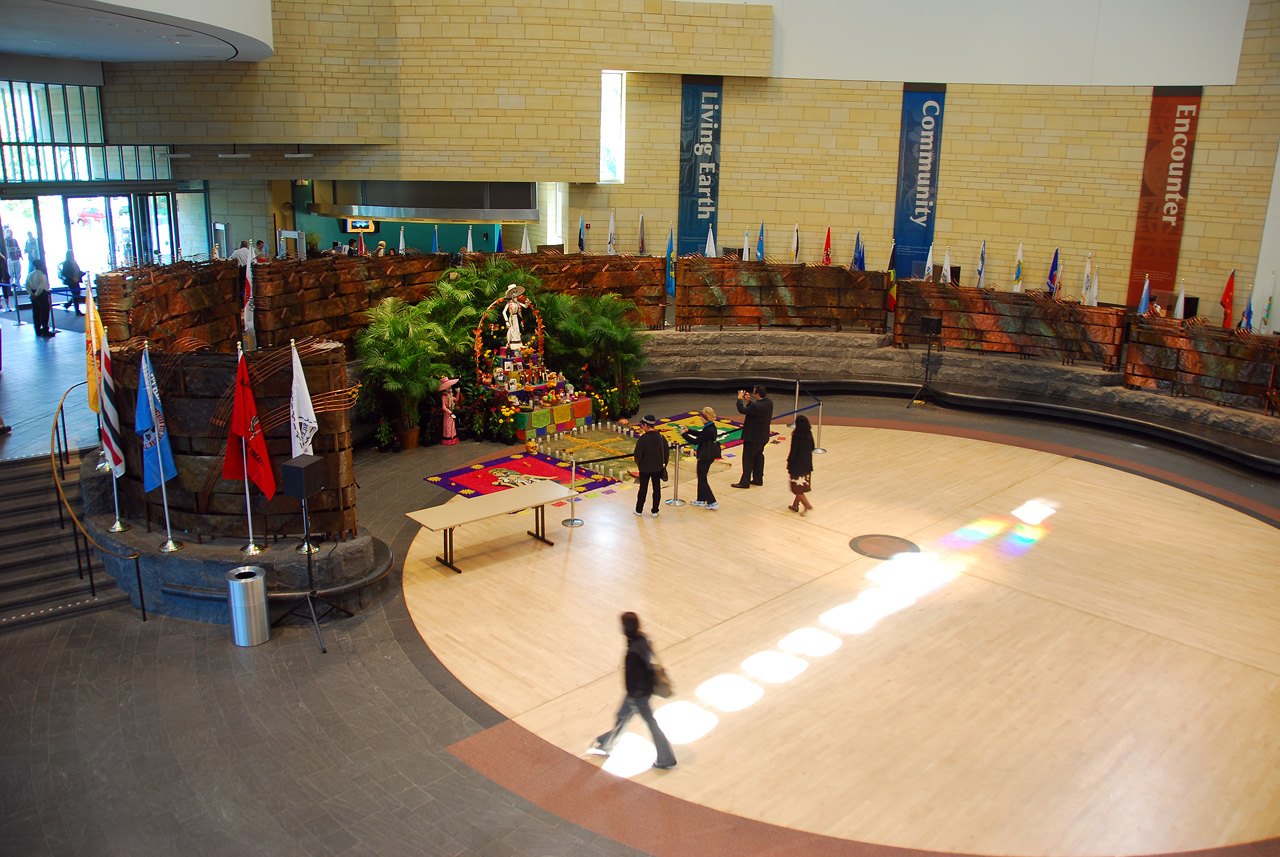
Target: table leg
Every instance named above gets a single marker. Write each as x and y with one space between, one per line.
540 525
447 559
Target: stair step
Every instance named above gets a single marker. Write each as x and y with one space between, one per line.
66 586
23 559
17 520
18 577
31 502
107 597
35 534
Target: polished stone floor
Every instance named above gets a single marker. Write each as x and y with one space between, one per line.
34 374
119 737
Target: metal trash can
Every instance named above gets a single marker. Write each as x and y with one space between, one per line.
247 603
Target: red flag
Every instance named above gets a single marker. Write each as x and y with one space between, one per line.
361 250
1228 299
244 424
826 249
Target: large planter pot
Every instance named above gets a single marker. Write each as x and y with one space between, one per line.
409 437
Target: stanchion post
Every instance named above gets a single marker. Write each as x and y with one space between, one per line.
573 520
818 446
796 407
675 488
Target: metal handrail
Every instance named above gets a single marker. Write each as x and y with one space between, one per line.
58 456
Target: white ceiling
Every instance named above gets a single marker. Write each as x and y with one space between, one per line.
88 30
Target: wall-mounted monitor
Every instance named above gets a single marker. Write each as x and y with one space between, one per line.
353 225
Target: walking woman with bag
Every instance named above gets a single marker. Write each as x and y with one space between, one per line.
638 672
706 441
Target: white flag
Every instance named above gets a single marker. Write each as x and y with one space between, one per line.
711 243
524 244
469 249
928 265
249 311
302 416
401 240
1093 289
612 247
946 267
1086 290
1180 305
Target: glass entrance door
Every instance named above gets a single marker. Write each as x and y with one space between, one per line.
120 219
90 235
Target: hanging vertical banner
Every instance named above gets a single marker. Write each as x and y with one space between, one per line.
919 147
699 162
1162 200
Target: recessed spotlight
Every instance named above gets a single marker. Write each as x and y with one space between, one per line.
233 154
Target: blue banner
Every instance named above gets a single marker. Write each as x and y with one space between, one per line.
699 163
918 154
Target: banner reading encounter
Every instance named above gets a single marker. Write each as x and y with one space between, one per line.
1162 201
699 162
919 147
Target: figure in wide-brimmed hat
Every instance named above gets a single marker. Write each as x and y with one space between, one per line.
511 312
448 401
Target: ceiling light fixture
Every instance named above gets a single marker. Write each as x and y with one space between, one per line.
173 156
233 154
299 153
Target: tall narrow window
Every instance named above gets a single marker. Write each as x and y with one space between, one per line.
613 125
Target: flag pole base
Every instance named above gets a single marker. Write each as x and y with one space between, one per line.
103 466
306 548
171 546
119 527
251 549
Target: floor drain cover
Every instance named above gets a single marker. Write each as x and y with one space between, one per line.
882 547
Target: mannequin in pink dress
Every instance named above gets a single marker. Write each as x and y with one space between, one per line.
448 401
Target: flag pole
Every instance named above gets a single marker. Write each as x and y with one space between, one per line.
119 526
169 545
250 549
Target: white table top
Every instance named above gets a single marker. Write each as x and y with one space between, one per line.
503 502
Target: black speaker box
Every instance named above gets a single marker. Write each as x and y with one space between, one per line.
1190 306
302 477
931 325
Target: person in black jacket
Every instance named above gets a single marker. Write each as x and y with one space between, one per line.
800 465
707 442
757 409
651 455
638 676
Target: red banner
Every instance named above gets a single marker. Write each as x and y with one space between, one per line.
1162 204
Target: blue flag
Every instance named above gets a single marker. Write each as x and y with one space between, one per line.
1144 305
760 244
671 263
435 240
1246 318
498 229
859 253
582 235
1053 273
157 457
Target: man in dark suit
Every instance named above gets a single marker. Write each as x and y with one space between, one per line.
757 409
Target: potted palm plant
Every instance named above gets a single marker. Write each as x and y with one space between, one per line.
402 356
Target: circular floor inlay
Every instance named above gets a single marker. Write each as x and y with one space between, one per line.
882 547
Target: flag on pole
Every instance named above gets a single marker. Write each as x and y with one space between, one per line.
109 430
1052 283
524 242
93 335
746 244
1265 327
1228 299
1180 305
928 265
982 265
611 247
250 310
250 460
671 263
859 253
1246 317
710 251
1017 270
1086 289
1144 305
893 276
435 239
795 246
760 244
401 240
469 246
1096 277
497 230
582 233
302 414
360 249
148 421
826 249
946 267
641 233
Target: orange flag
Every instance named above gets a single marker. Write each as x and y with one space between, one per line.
826 249
244 424
1228 299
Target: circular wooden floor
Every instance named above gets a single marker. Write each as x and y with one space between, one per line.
1105 681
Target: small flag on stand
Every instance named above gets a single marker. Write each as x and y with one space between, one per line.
826 248
109 430
524 242
760 244
497 230
859 253
250 461
671 263
710 251
611 247
1052 283
435 239
982 265
148 421
470 249
746 243
401 240
795 246
893 276
946 267
582 233
1180 305
928 266
641 251
1228 299
1144 305
302 414
1086 289
1017 270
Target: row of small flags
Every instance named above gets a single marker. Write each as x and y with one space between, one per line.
247 460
